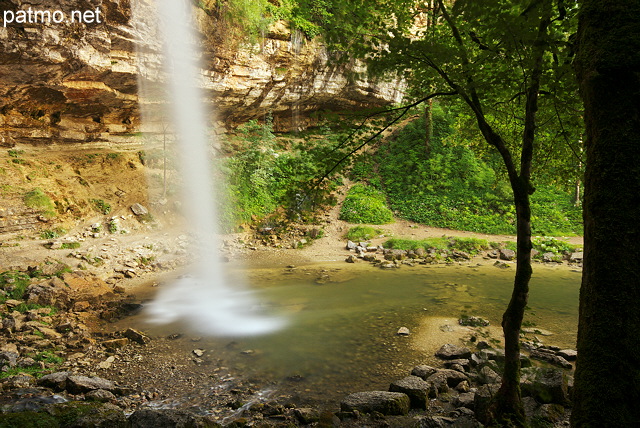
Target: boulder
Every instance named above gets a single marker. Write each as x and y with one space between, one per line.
568 354
56 381
506 254
403 331
386 403
82 384
546 385
482 400
306 415
139 209
95 415
423 371
551 358
445 378
136 336
466 400
453 352
487 375
416 388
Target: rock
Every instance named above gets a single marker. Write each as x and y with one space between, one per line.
568 354
466 399
463 364
306 416
453 352
82 384
403 331
139 209
486 375
9 358
85 415
554 359
444 378
198 352
576 257
423 371
473 321
351 259
56 381
383 402
416 388
482 400
21 380
99 395
113 344
546 385
136 336
506 254
549 257
351 246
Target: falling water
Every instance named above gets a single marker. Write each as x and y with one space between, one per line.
204 297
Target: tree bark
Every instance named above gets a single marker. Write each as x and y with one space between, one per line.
607 378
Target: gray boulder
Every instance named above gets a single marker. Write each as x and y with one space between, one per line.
453 352
506 254
384 402
423 371
416 388
546 385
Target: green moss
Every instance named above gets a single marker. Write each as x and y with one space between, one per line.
28 419
38 200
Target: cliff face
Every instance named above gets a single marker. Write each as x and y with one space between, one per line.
77 82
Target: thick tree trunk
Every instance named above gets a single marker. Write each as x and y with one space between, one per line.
607 378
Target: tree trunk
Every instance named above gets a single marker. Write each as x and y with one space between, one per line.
507 408
607 378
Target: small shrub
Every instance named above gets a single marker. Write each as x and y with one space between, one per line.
101 206
52 233
545 244
112 226
70 245
365 204
362 233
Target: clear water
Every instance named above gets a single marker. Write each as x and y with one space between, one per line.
342 338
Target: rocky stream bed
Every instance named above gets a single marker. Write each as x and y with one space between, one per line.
63 366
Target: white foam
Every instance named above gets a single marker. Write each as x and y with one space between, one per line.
205 299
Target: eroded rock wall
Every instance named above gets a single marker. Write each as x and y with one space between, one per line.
77 82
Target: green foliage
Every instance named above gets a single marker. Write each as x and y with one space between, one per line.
469 245
14 284
52 233
101 206
28 418
264 174
545 244
412 244
454 185
362 233
37 199
70 245
112 226
15 153
365 204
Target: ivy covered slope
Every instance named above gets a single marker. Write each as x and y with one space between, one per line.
449 183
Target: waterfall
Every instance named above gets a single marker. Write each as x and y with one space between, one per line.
204 297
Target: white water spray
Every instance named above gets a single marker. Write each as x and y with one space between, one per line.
203 298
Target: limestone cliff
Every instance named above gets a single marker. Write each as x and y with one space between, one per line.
77 82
